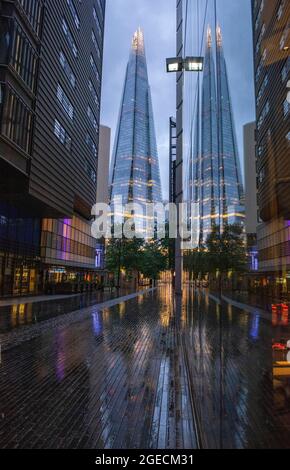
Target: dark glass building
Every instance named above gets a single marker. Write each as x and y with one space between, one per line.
135 172
215 182
271 31
50 79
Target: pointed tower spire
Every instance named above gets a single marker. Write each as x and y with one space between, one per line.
219 36
209 37
138 41
135 174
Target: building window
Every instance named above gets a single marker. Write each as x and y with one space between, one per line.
92 118
65 102
92 146
33 11
24 57
69 38
91 172
262 175
284 39
260 151
95 42
62 135
67 69
97 22
285 70
94 94
286 108
262 89
16 118
74 13
263 115
95 68
281 10
260 39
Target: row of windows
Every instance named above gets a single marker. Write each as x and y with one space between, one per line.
59 131
263 115
92 146
67 69
95 68
16 118
94 94
66 245
62 135
17 50
65 102
262 89
97 22
74 13
286 70
33 10
74 228
69 37
24 57
92 118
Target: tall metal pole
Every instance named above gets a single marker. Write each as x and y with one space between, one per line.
179 148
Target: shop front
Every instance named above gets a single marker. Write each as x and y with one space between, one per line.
67 280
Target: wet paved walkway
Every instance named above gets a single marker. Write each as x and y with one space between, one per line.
115 379
241 386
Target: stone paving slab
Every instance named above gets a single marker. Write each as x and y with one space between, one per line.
114 379
29 332
35 299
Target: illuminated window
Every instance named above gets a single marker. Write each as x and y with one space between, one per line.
69 38
74 13
62 135
65 102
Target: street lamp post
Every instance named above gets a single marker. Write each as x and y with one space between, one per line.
178 65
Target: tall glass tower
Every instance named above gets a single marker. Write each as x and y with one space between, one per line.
215 182
135 174
232 191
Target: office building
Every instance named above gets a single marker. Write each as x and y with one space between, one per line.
50 78
271 32
135 175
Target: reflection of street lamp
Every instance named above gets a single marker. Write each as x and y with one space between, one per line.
189 64
179 65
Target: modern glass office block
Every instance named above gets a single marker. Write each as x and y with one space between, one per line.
135 175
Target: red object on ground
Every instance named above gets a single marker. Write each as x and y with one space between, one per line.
279 347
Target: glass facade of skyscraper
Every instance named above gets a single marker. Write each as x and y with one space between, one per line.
215 182
135 175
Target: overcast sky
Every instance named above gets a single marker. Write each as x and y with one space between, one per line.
157 19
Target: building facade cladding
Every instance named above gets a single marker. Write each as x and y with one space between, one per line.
271 32
49 111
135 174
215 173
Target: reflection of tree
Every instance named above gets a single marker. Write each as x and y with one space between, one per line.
223 252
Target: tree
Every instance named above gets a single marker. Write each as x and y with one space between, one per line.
153 260
226 251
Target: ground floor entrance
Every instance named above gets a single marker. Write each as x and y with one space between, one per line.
19 276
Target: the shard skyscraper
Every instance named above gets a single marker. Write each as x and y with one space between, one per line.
215 180
135 174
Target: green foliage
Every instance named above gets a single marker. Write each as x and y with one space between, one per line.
147 258
154 260
223 252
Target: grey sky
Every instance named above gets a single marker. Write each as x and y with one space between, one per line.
157 19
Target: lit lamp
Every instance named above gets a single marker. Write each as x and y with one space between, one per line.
193 64
189 64
174 65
